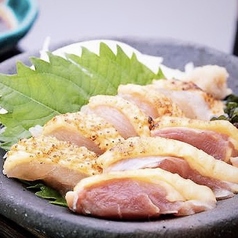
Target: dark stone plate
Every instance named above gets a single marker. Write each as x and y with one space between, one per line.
42 218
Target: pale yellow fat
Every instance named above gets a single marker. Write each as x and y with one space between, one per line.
197 159
178 188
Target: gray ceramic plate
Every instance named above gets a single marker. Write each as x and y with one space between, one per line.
31 212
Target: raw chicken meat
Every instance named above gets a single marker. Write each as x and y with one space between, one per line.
83 129
125 116
152 103
174 156
139 194
59 164
194 102
218 138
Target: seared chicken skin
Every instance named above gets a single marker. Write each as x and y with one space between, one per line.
59 164
125 116
218 138
174 156
194 102
139 194
152 103
82 129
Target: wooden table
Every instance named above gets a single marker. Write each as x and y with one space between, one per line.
9 229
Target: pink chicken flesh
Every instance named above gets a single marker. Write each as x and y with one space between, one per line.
139 194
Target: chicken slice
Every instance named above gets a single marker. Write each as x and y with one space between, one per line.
59 164
152 152
125 116
194 102
210 78
139 194
218 138
82 129
152 103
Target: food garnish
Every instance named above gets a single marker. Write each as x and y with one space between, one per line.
230 109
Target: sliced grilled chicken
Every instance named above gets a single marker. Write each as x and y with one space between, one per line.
218 138
194 102
152 103
125 116
82 129
59 164
139 194
174 156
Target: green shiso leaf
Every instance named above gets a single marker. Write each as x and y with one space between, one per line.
33 96
48 193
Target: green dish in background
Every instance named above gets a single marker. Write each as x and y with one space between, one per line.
16 19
